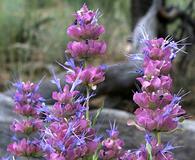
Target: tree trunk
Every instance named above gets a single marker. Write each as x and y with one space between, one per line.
138 8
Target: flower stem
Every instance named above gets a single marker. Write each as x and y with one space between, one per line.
158 137
87 104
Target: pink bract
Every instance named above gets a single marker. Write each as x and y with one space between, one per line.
89 31
25 148
86 48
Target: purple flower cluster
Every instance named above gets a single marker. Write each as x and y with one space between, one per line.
69 140
151 151
25 148
85 32
112 147
65 129
89 76
159 110
27 99
69 133
26 126
27 103
86 48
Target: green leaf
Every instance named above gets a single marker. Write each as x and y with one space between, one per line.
149 149
97 115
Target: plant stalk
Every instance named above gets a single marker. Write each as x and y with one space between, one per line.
159 137
87 104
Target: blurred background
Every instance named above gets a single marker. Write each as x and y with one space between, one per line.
33 35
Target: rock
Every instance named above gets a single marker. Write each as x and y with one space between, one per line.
119 82
6 111
133 137
6 117
5 135
130 135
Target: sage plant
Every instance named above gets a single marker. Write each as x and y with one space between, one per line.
69 134
66 130
27 103
160 110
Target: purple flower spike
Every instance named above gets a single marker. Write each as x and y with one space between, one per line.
28 103
27 99
112 147
158 107
86 31
65 128
70 139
